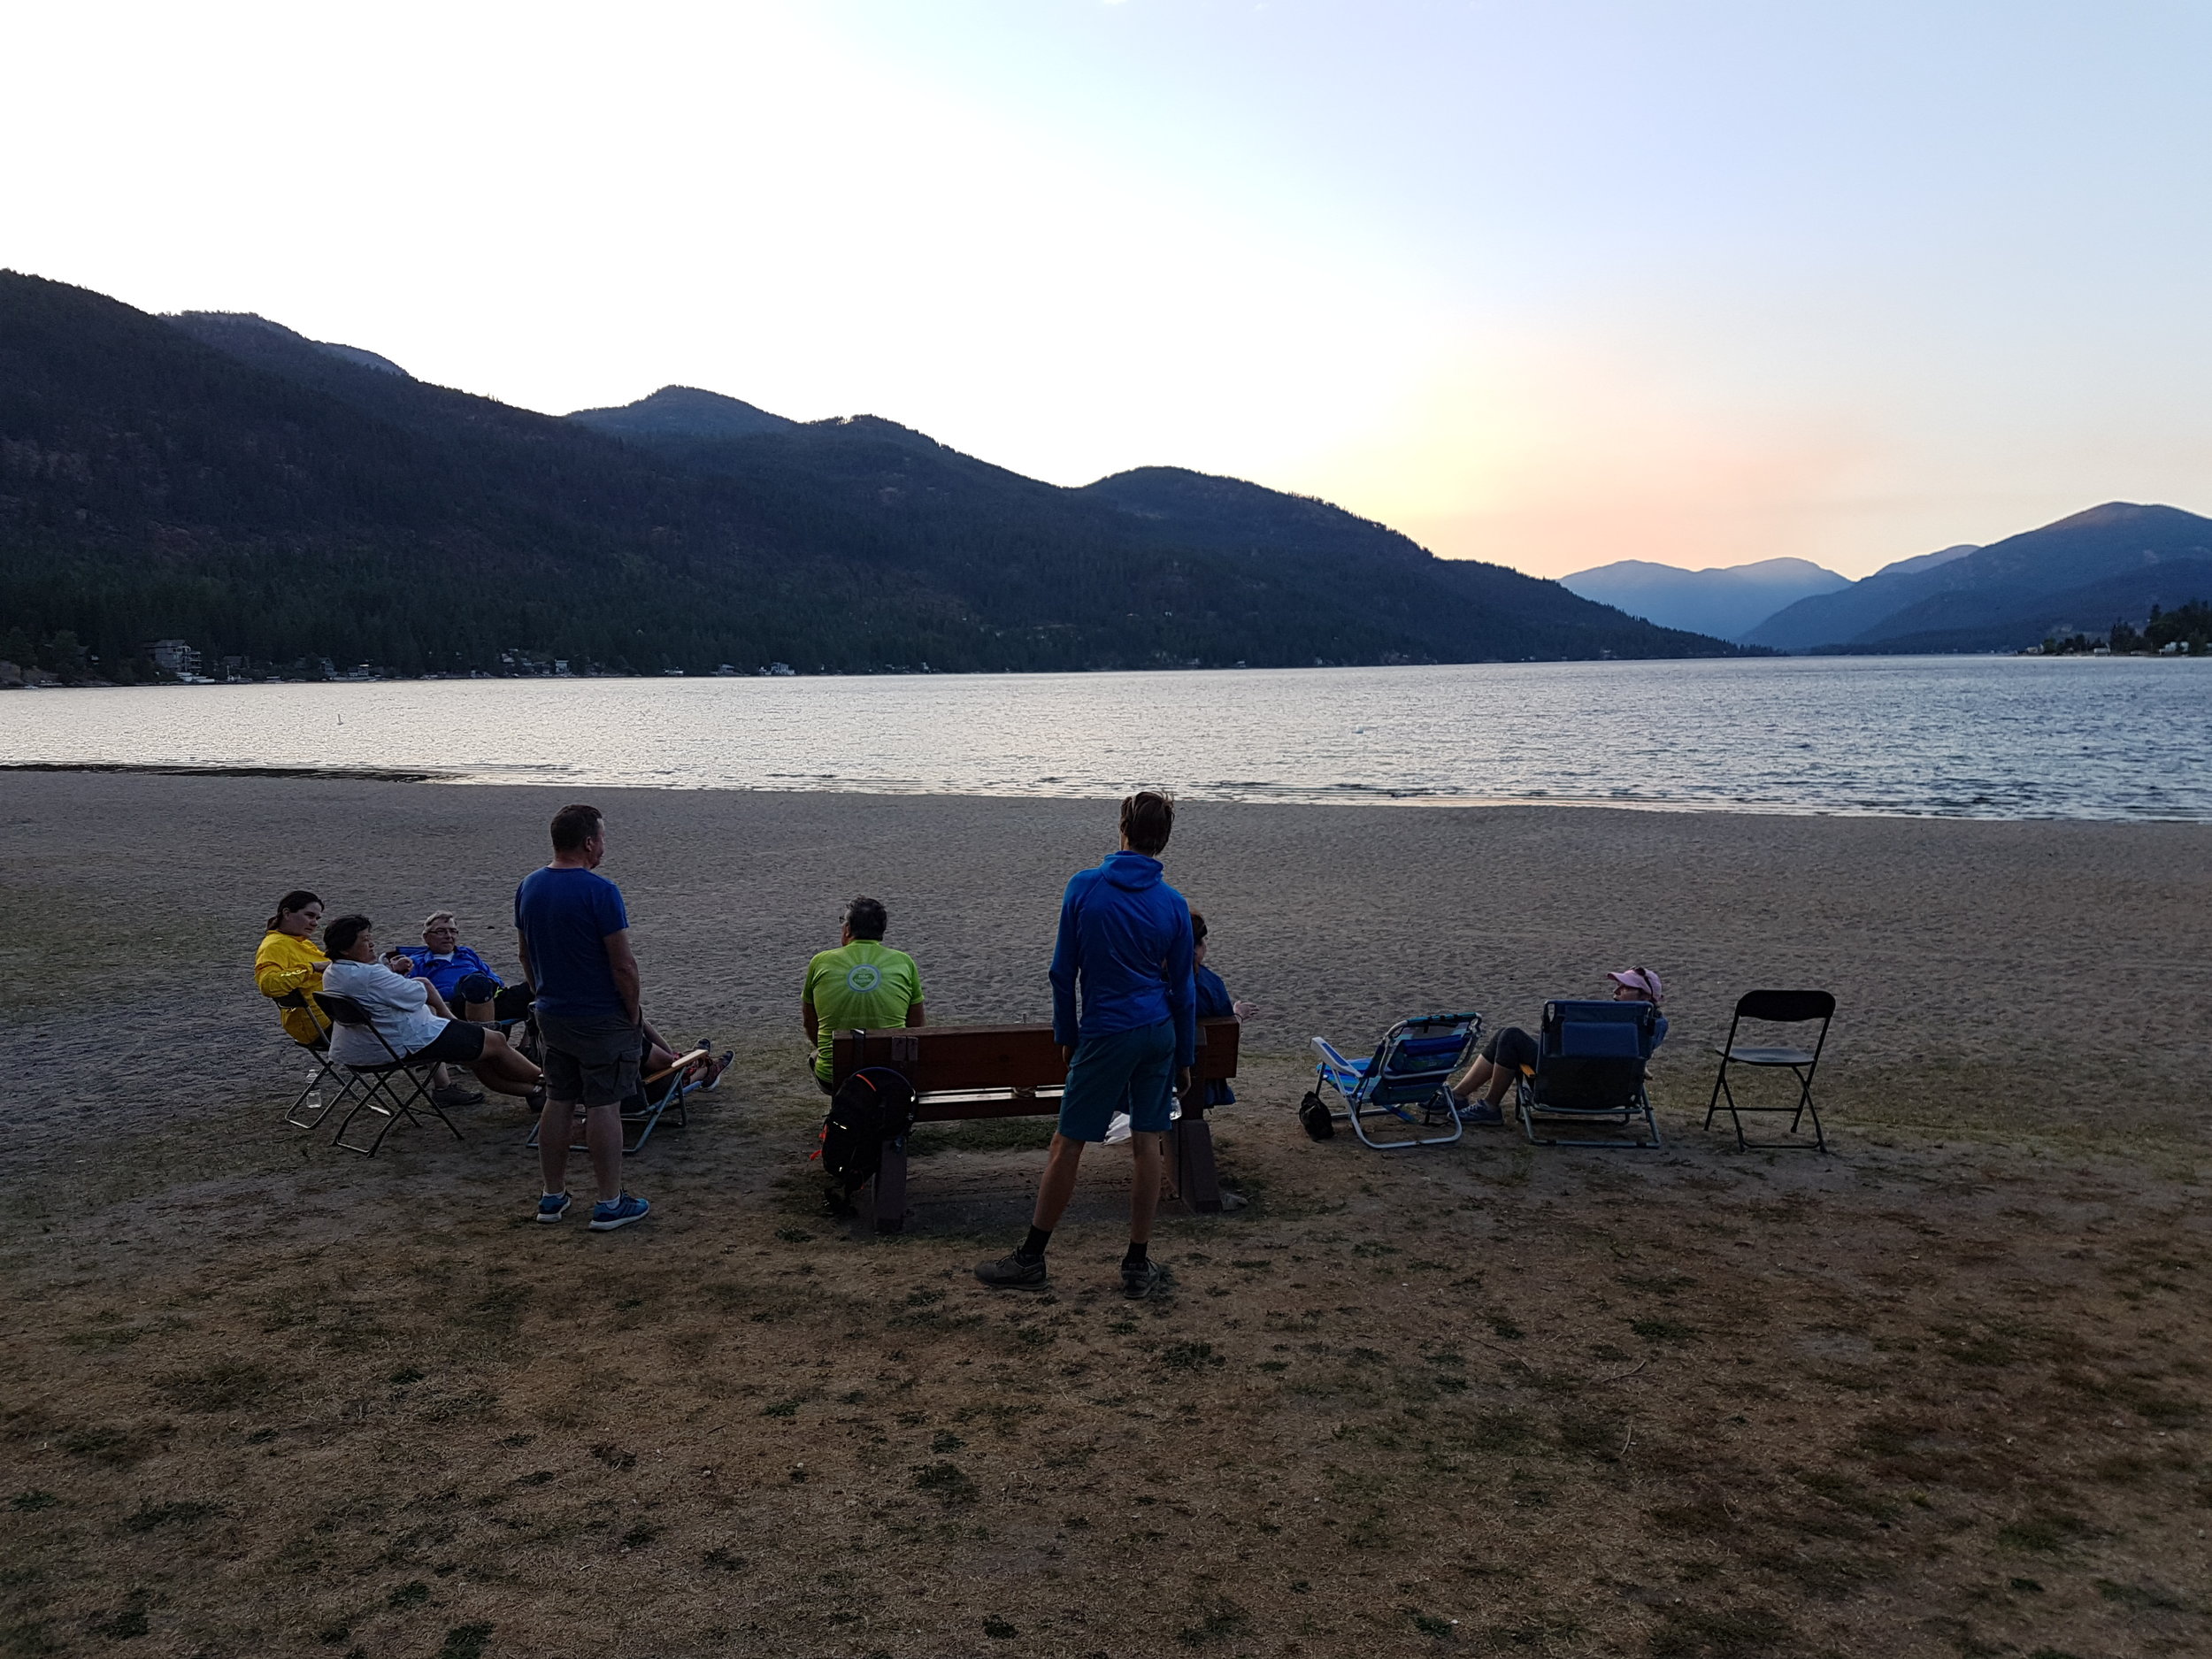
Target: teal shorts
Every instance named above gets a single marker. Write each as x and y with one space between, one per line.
1131 1071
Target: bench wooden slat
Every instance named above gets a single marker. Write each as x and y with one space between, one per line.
943 1059
968 1071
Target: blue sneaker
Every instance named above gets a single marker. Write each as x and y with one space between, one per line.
552 1206
1480 1112
606 1218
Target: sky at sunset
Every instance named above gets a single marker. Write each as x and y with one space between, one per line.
1551 284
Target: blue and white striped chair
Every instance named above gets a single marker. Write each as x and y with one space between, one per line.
1403 1079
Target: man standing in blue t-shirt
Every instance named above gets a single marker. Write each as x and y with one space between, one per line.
573 934
1125 943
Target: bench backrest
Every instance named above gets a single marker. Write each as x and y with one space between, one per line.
971 1059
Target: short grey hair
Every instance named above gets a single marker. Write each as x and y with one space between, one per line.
435 917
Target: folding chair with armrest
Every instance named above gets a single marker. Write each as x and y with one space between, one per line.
1590 1070
381 1098
1775 1008
1405 1078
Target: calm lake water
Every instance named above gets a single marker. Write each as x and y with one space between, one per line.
1971 737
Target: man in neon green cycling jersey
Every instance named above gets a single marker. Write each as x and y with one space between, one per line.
861 985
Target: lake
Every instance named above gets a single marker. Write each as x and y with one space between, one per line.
1967 737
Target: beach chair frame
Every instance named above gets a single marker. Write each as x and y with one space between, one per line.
1775 1008
1568 1087
1403 1081
660 1096
380 1098
339 1086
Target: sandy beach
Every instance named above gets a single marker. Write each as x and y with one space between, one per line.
1941 1392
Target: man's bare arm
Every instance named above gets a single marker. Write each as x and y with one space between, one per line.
622 962
811 1021
914 1016
522 954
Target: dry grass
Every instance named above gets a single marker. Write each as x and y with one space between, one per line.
1942 1393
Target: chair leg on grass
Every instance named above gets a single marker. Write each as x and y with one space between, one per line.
383 1100
1724 1099
1459 1129
335 1090
1527 1108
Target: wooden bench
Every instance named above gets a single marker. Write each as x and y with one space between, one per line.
963 1072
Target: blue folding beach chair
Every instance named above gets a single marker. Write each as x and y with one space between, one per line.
1590 1070
1403 1079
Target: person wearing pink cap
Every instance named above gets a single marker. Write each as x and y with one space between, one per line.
1513 1050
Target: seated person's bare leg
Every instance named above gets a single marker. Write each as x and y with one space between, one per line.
501 1069
1469 1082
477 1013
658 1055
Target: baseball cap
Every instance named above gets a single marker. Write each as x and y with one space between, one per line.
1639 979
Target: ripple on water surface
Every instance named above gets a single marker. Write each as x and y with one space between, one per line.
1966 737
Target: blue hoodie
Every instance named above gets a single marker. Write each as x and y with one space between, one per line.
1126 934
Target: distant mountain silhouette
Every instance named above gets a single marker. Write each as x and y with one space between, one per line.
248 337
1727 602
1929 560
682 411
2084 572
1198 510
225 480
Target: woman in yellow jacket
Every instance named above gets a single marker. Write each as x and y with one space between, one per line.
289 960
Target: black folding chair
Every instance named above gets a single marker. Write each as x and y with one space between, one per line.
381 1098
313 1104
660 1095
1590 1070
1775 1008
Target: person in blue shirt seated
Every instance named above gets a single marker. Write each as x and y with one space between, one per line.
464 979
1214 1003
1513 1050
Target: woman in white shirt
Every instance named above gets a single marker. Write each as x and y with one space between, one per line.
410 1016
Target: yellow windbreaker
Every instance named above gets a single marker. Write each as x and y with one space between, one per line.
284 964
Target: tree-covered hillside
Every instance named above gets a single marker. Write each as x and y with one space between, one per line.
222 480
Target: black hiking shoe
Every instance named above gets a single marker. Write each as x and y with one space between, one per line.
1013 1273
1141 1281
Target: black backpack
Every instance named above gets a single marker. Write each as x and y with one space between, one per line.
871 1109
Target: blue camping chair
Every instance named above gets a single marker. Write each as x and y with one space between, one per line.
1404 1080
1590 1070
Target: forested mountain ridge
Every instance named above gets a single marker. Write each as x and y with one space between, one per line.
682 411
263 497
2082 572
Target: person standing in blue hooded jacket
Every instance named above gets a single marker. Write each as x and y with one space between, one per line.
1125 1014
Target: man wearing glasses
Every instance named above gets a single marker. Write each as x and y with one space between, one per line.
464 979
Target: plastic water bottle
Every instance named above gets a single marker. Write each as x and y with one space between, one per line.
314 1092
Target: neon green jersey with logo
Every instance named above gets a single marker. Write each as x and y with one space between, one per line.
860 986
